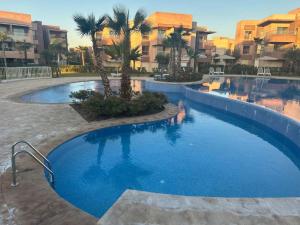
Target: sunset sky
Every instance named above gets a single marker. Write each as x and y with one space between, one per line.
219 15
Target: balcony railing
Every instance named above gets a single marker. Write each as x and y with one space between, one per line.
276 36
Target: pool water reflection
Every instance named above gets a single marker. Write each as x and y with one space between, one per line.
281 95
199 152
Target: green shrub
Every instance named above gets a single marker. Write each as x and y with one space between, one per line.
82 95
94 105
114 106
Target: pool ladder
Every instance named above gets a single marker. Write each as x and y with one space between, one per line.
13 161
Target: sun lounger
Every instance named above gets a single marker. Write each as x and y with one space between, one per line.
260 71
267 72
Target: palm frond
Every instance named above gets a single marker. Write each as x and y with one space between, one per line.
83 25
118 22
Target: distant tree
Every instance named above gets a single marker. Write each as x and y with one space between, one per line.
3 38
58 50
24 47
73 57
120 24
176 43
293 59
162 61
89 26
47 56
192 56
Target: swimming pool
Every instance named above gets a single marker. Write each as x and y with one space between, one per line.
200 152
60 93
280 95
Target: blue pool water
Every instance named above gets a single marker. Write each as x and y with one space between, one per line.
200 152
60 93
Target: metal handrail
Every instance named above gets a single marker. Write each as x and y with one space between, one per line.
13 162
33 148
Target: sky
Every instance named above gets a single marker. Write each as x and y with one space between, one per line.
218 15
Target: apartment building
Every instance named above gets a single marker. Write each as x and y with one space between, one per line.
19 27
264 42
223 45
164 23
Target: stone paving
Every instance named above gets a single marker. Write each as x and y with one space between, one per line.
33 202
45 126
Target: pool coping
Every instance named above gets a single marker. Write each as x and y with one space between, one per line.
21 198
57 211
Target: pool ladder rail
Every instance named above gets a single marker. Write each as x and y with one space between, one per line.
13 161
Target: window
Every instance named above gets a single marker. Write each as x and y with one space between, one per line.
3 29
248 35
246 49
145 50
282 30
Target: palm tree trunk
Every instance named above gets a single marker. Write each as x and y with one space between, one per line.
126 90
178 68
82 57
25 56
195 66
100 69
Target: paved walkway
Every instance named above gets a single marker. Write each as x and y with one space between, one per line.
33 202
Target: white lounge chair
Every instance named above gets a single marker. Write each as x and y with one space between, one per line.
267 72
165 76
260 71
211 71
219 71
157 77
116 74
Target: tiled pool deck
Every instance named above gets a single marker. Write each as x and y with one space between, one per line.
33 202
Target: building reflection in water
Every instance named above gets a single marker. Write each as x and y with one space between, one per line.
280 95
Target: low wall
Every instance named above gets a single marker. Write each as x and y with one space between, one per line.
273 120
8 73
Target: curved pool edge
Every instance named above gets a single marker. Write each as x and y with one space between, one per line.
138 207
23 200
268 118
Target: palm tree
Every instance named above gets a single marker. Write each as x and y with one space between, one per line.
83 51
4 37
89 26
192 56
135 55
25 47
176 43
170 43
122 27
162 60
48 56
179 33
58 49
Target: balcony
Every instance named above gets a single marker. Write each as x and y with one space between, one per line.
277 38
279 54
16 54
